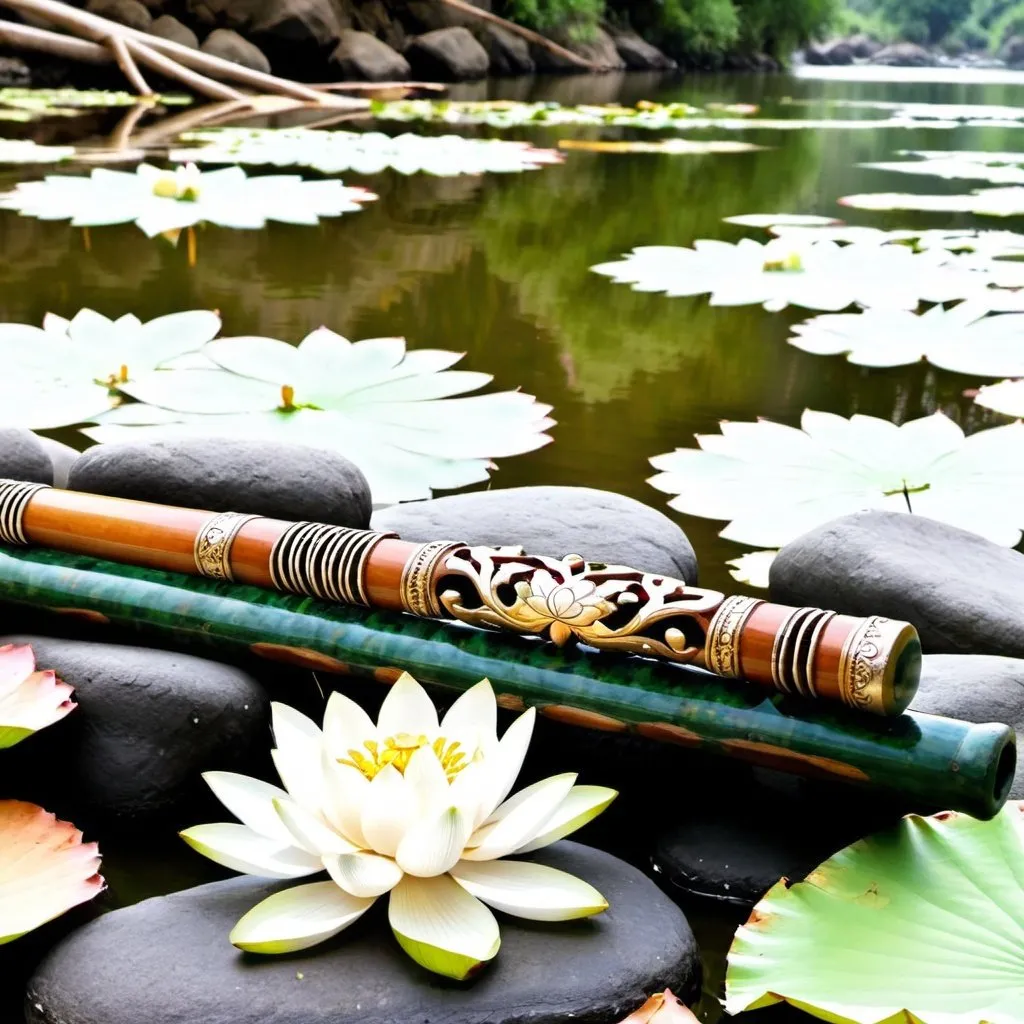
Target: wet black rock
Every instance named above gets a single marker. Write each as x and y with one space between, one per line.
24 457
598 48
148 722
282 481
964 594
640 55
14 73
447 54
509 53
126 12
229 45
977 688
361 55
62 458
1012 52
115 970
556 521
835 51
168 27
428 15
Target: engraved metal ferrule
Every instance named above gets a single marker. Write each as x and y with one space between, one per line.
417 593
324 561
14 498
722 648
212 549
879 666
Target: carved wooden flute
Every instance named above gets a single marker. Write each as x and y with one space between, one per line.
870 664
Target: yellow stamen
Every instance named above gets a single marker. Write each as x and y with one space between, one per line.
398 750
287 396
123 377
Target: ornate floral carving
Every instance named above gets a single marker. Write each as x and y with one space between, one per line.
607 606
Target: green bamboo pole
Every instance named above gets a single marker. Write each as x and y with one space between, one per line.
926 762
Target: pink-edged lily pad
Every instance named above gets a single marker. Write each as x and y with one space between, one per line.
29 700
45 868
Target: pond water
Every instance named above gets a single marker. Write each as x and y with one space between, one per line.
498 267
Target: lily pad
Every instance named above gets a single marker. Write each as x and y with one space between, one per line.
785 220
366 153
1006 397
774 482
923 923
938 111
45 868
48 100
64 372
964 338
25 151
391 411
953 167
989 202
752 568
816 275
673 147
167 201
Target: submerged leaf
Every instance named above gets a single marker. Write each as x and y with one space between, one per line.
45 868
364 153
923 922
775 482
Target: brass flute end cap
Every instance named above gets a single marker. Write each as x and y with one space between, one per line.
880 666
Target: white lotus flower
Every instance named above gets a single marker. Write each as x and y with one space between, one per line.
785 271
1006 397
409 807
775 482
63 372
167 201
964 338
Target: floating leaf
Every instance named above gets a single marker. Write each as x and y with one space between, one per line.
752 568
389 410
664 1008
25 151
675 147
964 338
45 868
923 922
163 201
989 202
29 700
770 220
1006 397
992 244
775 482
367 153
46 100
953 167
63 372
937 111
816 275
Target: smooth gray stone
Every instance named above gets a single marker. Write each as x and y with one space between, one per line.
977 688
557 521
447 54
509 53
126 12
62 458
905 55
168 27
363 56
148 723
168 961
964 594
282 481
23 456
640 55
229 45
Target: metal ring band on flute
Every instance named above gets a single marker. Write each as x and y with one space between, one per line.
212 550
417 591
722 647
14 498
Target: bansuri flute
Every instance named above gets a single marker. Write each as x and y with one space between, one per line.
871 665
925 762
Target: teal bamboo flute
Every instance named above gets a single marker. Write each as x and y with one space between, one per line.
924 761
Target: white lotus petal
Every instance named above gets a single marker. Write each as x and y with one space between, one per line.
241 849
407 709
363 874
502 767
520 819
581 805
473 719
427 782
251 801
345 789
298 918
346 726
442 927
533 891
433 845
388 810
309 830
297 757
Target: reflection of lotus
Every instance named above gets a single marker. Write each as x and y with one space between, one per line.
161 201
29 700
408 807
572 603
45 868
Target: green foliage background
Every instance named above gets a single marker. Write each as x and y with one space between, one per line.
954 24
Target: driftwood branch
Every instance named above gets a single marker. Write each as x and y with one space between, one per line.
27 37
125 61
99 30
533 37
189 78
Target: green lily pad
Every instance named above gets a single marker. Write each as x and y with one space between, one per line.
364 153
167 201
921 924
25 151
43 101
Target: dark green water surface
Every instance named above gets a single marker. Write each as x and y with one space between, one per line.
498 267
